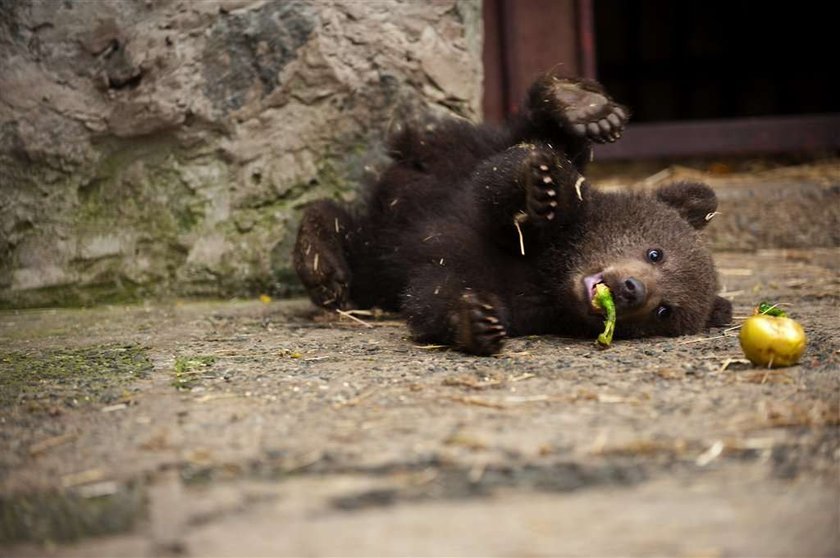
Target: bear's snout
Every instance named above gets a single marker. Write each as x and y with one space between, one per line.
632 286
633 292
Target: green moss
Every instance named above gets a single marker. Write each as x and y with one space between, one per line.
331 180
116 291
190 370
42 379
141 184
68 516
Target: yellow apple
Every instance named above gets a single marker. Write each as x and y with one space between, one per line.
772 341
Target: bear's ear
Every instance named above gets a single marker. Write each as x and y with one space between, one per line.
721 314
696 202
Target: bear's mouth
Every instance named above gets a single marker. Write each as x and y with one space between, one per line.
589 283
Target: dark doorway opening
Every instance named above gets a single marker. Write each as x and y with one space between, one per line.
717 59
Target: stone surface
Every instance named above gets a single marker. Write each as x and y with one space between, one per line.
777 204
151 148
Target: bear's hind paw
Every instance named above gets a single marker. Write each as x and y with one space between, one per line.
478 329
585 110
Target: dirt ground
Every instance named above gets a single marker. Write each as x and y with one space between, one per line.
245 428
260 427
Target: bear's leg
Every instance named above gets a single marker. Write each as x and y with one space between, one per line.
319 254
439 310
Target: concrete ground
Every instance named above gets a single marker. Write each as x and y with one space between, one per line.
256 428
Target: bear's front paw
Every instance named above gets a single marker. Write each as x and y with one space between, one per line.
478 329
549 185
584 109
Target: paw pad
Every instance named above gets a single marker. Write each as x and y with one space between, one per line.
586 110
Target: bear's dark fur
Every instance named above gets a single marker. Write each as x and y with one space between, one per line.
475 233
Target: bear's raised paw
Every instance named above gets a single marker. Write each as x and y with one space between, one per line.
582 107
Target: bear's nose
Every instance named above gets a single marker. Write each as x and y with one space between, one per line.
633 292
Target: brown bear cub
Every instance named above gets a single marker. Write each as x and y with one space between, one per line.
477 233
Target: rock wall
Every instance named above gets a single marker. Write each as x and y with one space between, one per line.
151 148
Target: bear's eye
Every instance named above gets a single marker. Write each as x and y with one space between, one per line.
663 312
655 255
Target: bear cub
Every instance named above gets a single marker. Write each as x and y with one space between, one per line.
476 233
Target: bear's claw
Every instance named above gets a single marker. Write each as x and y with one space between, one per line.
478 329
549 185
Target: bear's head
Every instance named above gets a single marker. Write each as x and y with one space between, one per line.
647 250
